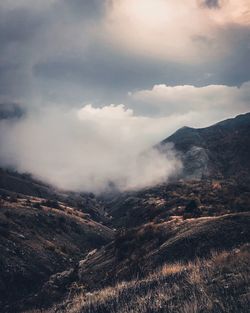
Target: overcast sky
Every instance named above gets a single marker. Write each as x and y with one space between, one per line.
163 63
96 51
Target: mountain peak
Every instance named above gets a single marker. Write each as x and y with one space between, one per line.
218 145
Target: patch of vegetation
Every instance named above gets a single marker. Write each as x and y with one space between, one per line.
51 203
219 284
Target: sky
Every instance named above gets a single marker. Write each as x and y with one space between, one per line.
111 78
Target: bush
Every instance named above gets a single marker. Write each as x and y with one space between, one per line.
192 209
52 204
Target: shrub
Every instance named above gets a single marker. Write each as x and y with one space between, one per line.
52 204
192 209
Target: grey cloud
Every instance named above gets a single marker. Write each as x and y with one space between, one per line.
104 69
211 3
39 59
9 110
108 75
86 8
25 39
18 26
234 69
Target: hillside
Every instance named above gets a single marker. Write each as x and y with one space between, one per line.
218 151
207 197
136 252
217 284
181 246
25 184
40 236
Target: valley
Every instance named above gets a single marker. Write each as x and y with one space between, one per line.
181 246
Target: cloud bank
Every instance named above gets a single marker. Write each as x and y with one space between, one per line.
87 149
95 149
204 105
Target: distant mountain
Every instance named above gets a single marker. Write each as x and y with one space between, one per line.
221 150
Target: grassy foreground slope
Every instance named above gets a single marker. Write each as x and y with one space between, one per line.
38 238
121 271
213 285
138 251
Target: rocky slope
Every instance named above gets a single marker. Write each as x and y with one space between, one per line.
218 151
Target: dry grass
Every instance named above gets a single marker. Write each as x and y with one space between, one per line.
171 269
215 285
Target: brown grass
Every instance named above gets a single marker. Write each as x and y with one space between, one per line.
215 285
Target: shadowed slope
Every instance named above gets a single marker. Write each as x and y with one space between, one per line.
221 150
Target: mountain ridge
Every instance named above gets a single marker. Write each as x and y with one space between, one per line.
220 150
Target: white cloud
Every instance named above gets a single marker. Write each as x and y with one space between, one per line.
199 106
88 149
